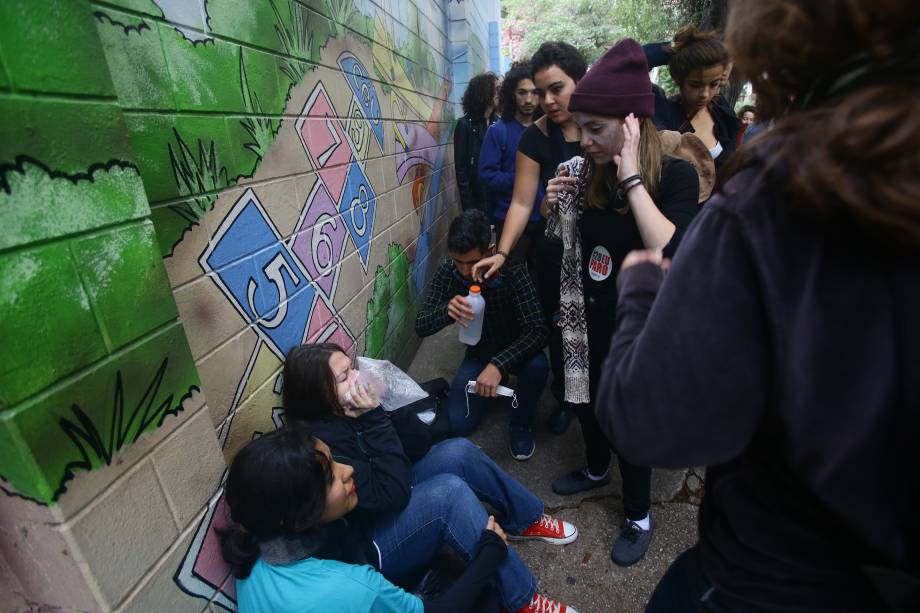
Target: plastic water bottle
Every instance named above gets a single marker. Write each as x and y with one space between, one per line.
471 334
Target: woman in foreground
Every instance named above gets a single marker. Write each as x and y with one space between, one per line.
789 327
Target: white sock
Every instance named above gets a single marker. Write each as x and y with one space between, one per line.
644 523
593 478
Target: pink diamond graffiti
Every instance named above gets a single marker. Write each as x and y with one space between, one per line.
320 240
203 571
328 328
323 138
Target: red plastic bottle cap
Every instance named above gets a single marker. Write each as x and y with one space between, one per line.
474 289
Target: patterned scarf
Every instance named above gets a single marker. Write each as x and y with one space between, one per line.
562 224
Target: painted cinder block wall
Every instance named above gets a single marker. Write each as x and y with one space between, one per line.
189 188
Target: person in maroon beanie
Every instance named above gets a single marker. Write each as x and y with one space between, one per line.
781 349
624 195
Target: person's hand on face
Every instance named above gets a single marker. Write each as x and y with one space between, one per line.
489 379
627 160
460 310
354 398
361 399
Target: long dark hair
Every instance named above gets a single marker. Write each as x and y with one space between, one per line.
842 81
517 72
309 385
479 94
276 488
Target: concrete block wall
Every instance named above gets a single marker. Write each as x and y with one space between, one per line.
188 189
469 46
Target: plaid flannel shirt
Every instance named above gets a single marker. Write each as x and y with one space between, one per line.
513 329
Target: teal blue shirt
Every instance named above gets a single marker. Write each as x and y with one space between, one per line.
321 585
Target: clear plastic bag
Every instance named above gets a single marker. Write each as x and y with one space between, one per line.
396 388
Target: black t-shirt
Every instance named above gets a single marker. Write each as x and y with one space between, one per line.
607 236
541 149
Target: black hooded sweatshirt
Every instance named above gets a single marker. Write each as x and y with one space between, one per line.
785 357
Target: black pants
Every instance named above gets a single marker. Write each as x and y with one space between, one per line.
685 587
637 480
548 264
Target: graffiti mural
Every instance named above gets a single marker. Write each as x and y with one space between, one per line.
219 182
288 268
70 304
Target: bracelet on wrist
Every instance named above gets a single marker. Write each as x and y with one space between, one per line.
624 187
502 253
632 185
628 179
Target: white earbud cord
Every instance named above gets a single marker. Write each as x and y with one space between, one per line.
514 400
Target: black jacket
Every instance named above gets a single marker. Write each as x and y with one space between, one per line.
785 357
468 136
381 448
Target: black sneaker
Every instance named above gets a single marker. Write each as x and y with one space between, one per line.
559 421
633 542
521 443
578 481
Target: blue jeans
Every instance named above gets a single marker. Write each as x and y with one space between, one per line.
444 508
531 378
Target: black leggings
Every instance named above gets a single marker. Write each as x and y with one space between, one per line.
548 257
637 480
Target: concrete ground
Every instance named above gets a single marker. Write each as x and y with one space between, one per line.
581 573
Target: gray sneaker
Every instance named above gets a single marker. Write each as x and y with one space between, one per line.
633 542
578 481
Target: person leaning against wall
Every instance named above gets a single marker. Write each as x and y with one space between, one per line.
789 326
479 103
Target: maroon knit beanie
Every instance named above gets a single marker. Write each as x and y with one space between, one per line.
616 85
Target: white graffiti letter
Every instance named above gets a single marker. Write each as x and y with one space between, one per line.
360 202
336 141
321 238
274 274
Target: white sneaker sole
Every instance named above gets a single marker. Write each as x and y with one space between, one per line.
522 458
546 539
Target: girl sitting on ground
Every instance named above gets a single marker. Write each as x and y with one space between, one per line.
290 549
409 509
